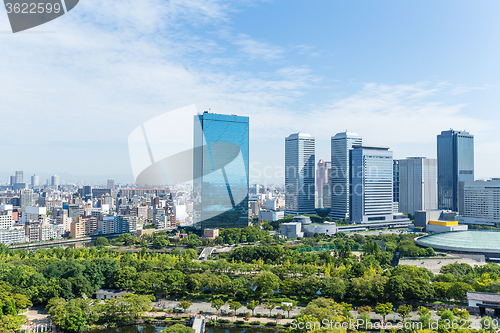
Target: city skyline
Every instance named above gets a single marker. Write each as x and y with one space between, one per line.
329 74
255 168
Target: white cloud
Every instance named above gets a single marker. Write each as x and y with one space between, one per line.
113 65
257 49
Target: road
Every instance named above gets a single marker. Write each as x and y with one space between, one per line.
206 253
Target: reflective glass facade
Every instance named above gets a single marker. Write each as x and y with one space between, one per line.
220 166
455 153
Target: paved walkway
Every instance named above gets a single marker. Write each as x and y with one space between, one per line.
36 317
207 308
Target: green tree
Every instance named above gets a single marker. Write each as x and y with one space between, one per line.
488 324
217 304
270 306
235 306
458 290
124 278
333 287
324 309
383 309
288 306
101 241
193 241
184 305
75 320
11 323
56 308
22 302
404 311
160 242
252 305
424 316
365 317
266 282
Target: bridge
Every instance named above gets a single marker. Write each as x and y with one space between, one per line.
206 253
199 325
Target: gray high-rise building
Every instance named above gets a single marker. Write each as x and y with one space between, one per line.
220 171
54 180
370 184
341 144
19 177
299 174
323 177
418 184
455 158
35 180
111 184
26 198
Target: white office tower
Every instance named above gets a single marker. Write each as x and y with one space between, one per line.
299 174
479 202
35 180
342 143
371 184
417 184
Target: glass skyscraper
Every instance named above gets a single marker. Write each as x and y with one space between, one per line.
299 174
220 171
371 184
455 155
342 143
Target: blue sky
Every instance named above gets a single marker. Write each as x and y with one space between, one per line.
395 72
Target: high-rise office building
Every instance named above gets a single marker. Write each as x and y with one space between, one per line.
418 184
395 180
19 177
26 198
299 174
111 184
341 144
54 180
220 171
35 180
370 184
455 158
479 202
322 177
86 193
12 180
